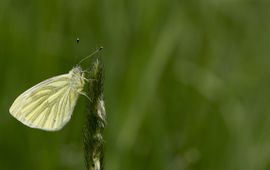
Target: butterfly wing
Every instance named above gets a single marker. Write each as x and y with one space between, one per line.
48 105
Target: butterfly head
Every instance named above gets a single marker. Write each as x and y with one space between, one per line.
77 70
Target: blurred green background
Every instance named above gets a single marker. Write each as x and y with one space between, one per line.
186 82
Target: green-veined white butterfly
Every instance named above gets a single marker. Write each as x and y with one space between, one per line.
49 104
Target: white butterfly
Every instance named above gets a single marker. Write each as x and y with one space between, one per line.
49 104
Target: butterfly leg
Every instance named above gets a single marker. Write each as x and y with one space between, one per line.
88 80
84 94
86 71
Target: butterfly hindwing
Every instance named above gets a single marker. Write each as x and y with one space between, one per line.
48 105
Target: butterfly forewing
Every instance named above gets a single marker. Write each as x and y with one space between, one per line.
48 105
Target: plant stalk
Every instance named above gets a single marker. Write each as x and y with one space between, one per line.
95 120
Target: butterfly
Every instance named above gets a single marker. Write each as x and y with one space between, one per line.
49 105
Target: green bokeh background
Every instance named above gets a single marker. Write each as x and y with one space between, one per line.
186 82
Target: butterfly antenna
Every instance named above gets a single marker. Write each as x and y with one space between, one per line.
94 53
75 59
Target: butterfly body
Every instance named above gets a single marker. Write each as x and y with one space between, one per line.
49 104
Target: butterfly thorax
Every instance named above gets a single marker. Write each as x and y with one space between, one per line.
77 78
